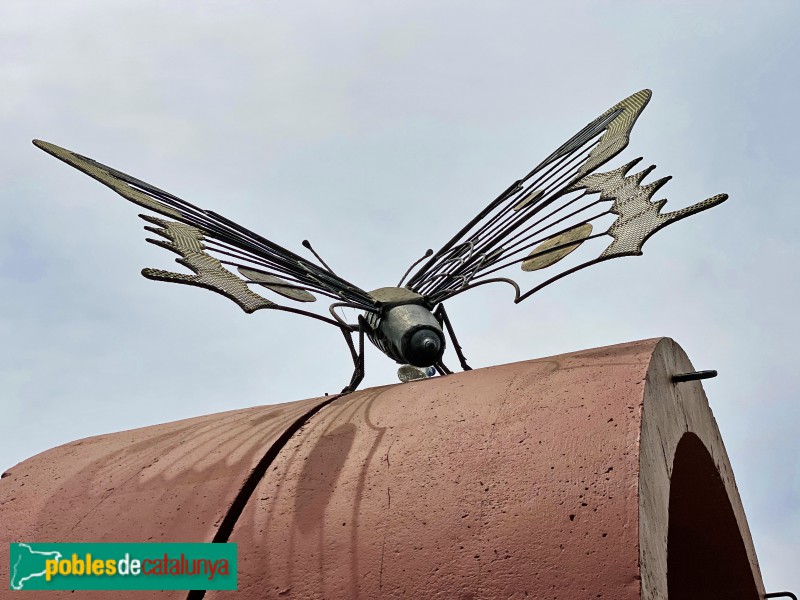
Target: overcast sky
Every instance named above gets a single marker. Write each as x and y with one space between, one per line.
376 130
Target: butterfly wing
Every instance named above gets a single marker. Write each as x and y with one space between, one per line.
555 209
208 243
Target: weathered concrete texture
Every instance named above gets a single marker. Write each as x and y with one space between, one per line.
579 476
518 481
167 483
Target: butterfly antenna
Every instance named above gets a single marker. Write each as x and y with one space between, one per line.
427 254
307 244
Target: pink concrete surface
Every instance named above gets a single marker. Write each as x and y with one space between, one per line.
167 483
551 478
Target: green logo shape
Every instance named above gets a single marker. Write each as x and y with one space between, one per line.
133 566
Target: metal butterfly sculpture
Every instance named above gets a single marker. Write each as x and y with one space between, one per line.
535 223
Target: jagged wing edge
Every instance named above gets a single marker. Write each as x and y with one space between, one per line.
209 273
186 241
638 219
182 239
612 142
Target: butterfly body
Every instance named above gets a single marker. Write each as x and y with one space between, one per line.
408 334
554 213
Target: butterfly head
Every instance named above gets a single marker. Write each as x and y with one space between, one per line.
424 347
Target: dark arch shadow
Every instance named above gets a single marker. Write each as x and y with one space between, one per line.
706 556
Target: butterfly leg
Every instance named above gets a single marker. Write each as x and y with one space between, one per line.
441 315
358 357
442 369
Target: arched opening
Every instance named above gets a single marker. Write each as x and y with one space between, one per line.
706 556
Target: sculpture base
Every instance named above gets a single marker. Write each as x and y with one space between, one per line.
585 475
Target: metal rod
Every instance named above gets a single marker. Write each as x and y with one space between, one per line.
427 254
695 376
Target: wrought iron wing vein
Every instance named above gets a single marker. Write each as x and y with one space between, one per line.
196 233
553 210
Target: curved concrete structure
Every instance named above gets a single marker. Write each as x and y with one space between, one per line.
586 475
